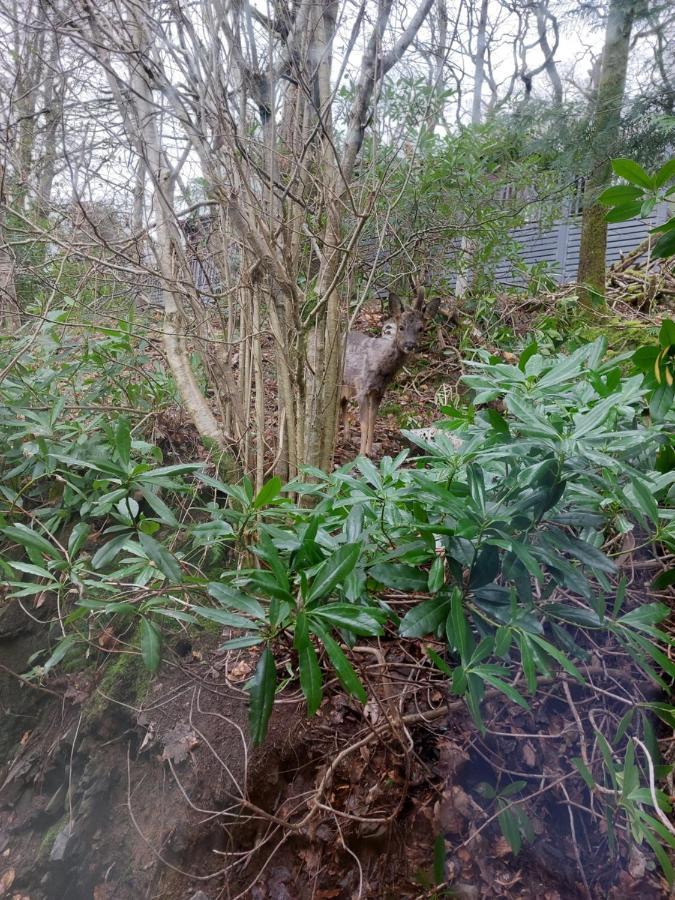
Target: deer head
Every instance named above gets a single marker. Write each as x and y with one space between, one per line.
410 322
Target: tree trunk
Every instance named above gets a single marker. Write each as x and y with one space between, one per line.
467 246
605 134
10 319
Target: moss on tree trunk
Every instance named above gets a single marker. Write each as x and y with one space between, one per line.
605 135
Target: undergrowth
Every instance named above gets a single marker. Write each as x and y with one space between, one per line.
500 546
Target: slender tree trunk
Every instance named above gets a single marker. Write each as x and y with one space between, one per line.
467 246
479 74
10 320
605 135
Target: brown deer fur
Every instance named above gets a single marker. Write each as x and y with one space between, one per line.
371 363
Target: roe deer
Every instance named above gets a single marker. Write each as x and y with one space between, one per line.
372 362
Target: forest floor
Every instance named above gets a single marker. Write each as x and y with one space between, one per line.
164 799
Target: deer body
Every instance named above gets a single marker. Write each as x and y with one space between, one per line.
371 363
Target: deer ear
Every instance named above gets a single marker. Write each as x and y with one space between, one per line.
395 305
432 307
419 301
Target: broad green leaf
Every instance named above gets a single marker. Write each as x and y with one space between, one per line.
514 788
583 770
527 559
177 469
310 677
107 553
151 643
662 856
559 657
223 617
246 640
665 246
235 599
485 568
343 668
60 651
631 776
77 539
436 578
262 688
399 577
665 173
268 492
667 333
619 194
537 425
29 538
661 402
648 614
645 500
268 552
502 686
205 533
664 580
624 212
457 627
333 571
365 621
424 618
123 441
128 508
166 562
633 172
159 507
30 569
439 662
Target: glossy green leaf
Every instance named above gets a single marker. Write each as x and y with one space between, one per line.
268 492
123 441
665 173
364 621
661 402
399 577
343 668
223 617
60 651
151 644
583 770
310 677
107 553
436 578
262 689
620 193
234 599
633 172
29 538
507 689
78 537
665 246
624 212
333 572
166 562
424 618
559 657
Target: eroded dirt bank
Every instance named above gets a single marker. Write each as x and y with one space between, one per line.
115 785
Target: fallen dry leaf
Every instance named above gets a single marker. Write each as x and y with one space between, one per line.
502 847
178 742
241 671
7 880
529 756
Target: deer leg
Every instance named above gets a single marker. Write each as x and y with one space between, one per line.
373 405
344 412
364 410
